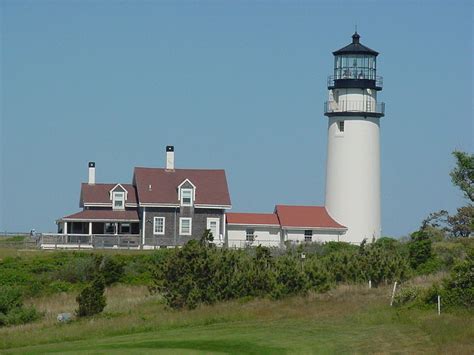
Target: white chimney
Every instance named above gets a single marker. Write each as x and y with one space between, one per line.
91 173
170 157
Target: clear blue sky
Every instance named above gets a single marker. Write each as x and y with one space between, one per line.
233 85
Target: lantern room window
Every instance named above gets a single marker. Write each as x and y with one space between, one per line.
354 66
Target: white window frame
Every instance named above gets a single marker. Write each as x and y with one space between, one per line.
191 197
218 227
181 219
155 219
307 235
250 235
115 198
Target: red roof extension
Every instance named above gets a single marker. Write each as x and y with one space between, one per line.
104 215
100 193
211 185
253 218
306 217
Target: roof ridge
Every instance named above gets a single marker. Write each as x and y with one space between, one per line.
107 183
178 169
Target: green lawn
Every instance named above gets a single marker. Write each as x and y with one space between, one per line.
347 320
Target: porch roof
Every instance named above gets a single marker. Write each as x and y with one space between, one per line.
103 216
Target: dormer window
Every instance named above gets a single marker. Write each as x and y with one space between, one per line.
186 193
118 200
186 197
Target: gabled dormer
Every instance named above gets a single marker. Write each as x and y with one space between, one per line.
186 193
118 196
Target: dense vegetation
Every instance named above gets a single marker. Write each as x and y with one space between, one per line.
199 273
45 273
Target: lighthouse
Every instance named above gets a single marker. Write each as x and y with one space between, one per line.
353 151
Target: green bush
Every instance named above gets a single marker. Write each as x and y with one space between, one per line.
92 300
21 315
319 277
290 276
77 269
430 266
419 248
407 295
60 286
10 298
458 288
12 311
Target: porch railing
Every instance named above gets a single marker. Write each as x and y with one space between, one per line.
87 241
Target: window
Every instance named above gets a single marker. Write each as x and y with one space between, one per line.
159 225
125 228
118 200
185 226
109 228
213 226
340 125
186 197
250 235
308 235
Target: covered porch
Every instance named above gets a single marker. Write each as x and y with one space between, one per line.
100 228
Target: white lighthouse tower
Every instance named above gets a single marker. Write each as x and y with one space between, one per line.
353 155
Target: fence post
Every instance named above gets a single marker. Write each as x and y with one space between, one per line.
439 305
393 293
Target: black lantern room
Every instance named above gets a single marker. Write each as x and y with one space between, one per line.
355 66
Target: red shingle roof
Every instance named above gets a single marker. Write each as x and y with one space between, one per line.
100 193
211 185
104 215
306 217
253 218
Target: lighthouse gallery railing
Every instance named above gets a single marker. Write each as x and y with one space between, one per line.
354 106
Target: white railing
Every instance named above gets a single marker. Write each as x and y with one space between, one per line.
240 244
354 106
88 241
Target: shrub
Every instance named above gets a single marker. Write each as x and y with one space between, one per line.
60 286
318 276
78 269
458 288
290 277
419 248
21 315
11 308
111 269
10 298
430 266
92 300
407 295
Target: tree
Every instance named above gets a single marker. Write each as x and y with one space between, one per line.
91 300
463 174
462 223
419 248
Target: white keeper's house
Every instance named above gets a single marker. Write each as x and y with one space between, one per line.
166 207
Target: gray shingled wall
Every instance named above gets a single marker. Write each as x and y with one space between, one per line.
171 237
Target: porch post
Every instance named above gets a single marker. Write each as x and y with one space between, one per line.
143 226
90 233
65 228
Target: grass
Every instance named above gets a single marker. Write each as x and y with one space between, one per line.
349 319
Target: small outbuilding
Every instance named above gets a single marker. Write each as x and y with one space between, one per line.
288 224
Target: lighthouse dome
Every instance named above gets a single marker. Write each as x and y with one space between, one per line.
356 48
